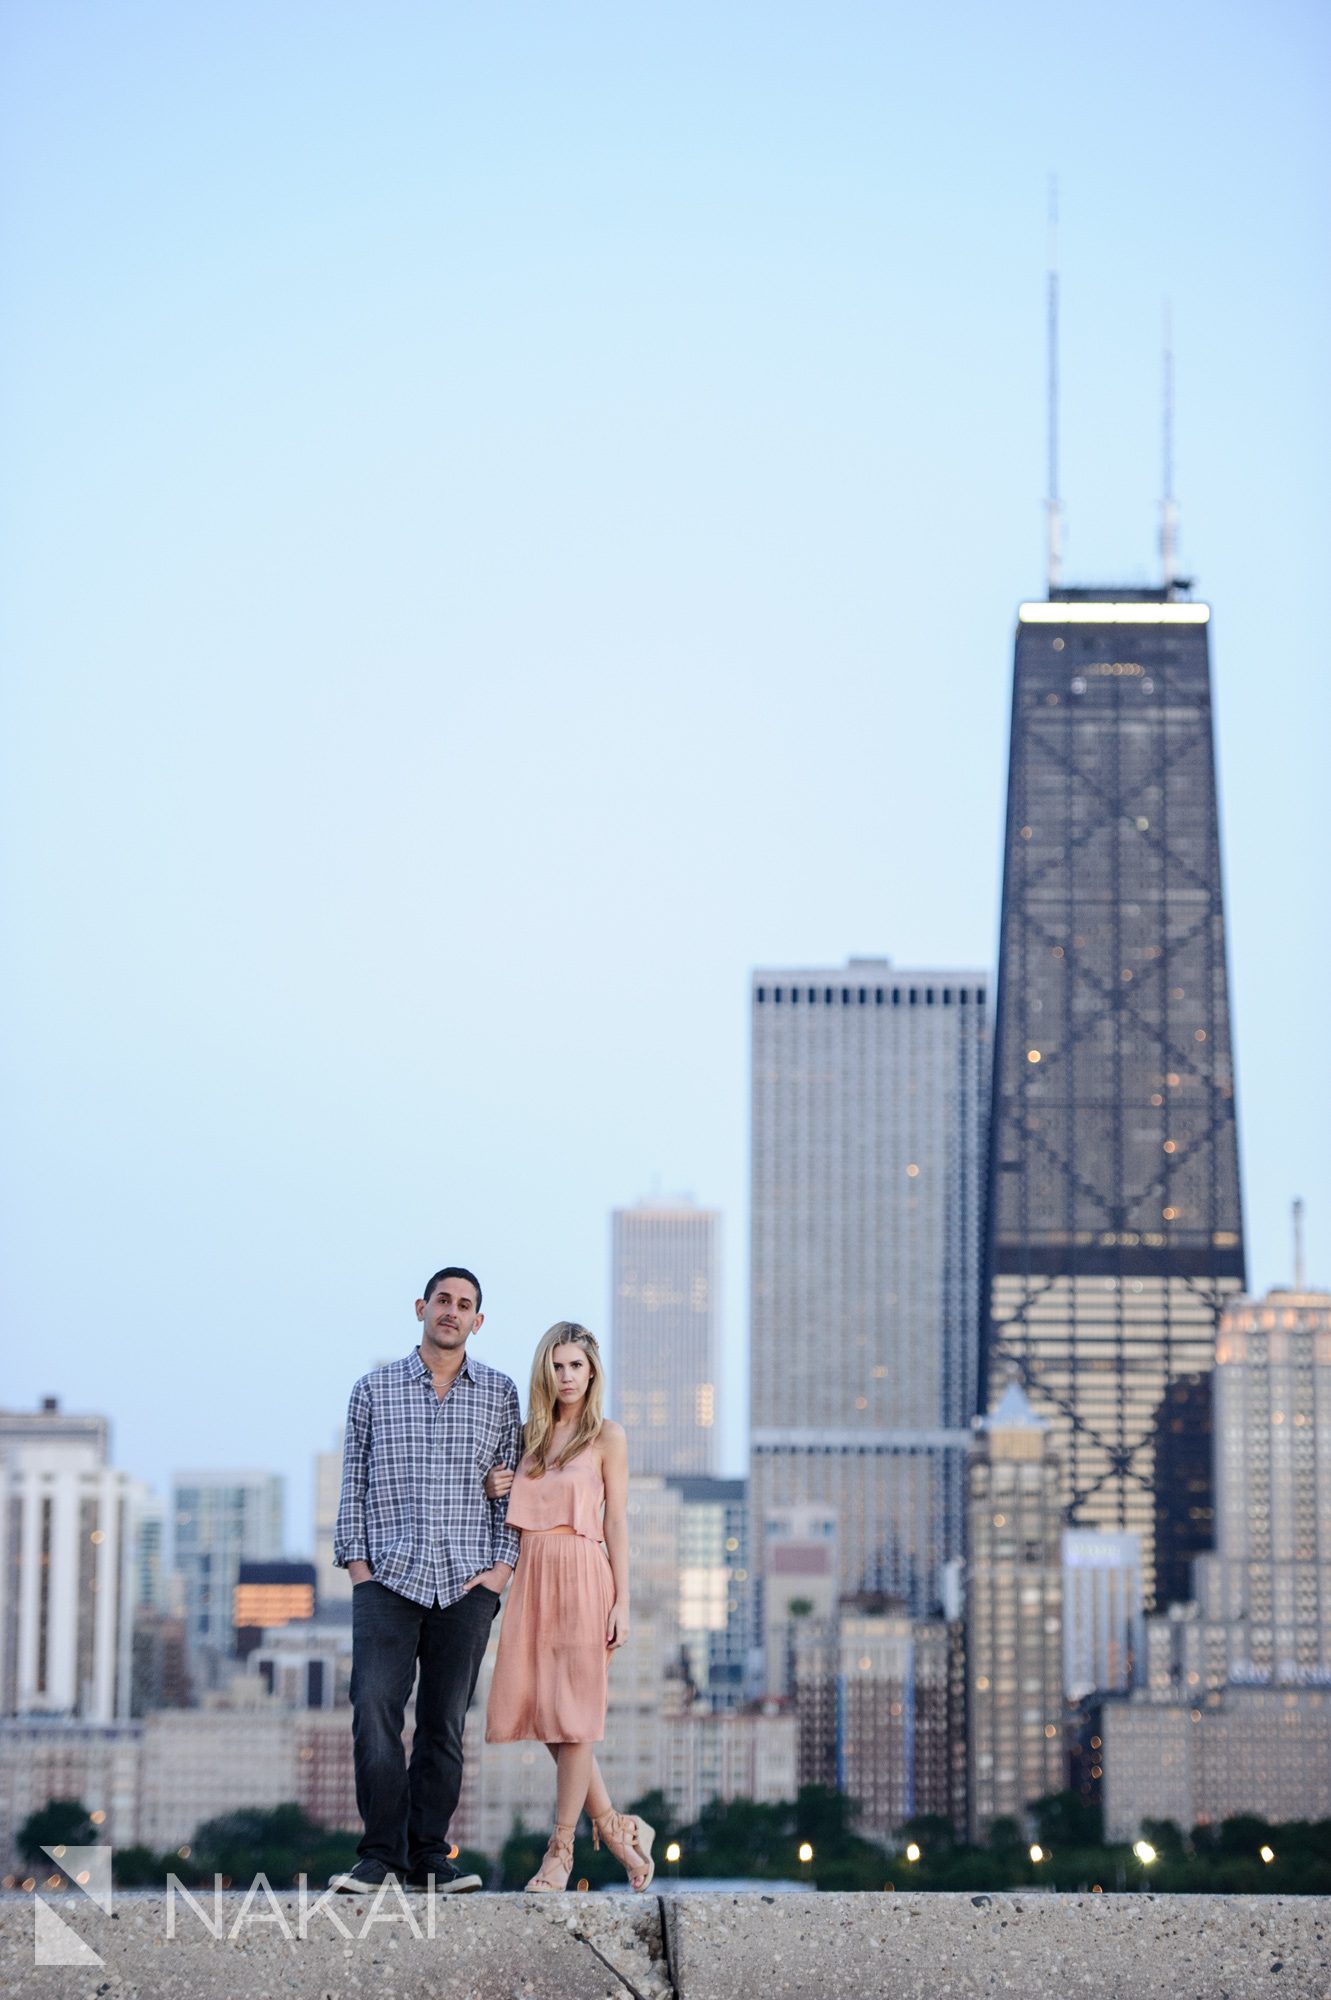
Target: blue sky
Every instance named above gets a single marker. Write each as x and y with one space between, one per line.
512 517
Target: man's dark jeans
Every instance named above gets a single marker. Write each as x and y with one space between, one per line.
406 1810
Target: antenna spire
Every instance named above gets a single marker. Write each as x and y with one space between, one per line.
1168 504
1053 505
1298 1244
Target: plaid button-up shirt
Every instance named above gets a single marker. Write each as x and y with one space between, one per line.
413 1465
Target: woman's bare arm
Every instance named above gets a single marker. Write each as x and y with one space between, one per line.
615 1472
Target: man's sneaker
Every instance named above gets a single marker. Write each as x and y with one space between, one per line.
443 1875
365 1875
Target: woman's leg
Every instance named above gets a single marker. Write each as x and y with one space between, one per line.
574 1763
598 1798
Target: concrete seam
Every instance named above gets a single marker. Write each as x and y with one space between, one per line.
668 1944
623 1978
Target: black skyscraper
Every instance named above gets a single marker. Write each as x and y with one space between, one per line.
1114 1223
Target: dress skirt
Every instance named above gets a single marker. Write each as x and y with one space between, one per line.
549 1682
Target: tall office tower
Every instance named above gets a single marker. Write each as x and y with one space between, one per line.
221 1517
1014 1614
1114 1230
67 1541
1104 1630
663 1335
1268 1584
869 1097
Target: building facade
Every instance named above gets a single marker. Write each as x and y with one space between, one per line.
1104 1629
664 1335
1114 1232
68 1539
219 1518
1247 1750
333 1583
1269 1579
715 1588
1014 1615
868 1111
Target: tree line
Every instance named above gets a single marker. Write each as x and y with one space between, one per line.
739 1839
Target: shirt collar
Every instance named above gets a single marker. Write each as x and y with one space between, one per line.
418 1371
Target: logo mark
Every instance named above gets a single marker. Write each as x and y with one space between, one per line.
56 1942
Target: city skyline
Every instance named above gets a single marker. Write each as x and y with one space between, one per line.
475 593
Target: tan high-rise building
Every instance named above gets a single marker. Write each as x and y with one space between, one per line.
663 1352
1014 1614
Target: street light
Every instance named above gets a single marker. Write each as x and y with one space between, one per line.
1037 1852
806 1856
913 1851
1144 1852
1268 1854
672 1856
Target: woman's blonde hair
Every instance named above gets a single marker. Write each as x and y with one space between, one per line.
544 1397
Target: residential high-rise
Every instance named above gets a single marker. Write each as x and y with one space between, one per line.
663 1350
220 1517
68 1528
869 1095
1236 1713
1014 1614
1268 1583
1114 1232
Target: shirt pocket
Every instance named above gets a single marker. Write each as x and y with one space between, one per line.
489 1439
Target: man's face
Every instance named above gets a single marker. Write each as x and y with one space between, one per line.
448 1316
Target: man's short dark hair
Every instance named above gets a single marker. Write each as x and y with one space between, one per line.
454 1271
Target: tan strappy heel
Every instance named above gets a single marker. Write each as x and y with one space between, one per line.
630 1841
558 1861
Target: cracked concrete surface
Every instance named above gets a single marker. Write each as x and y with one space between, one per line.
268 1946
1040 1947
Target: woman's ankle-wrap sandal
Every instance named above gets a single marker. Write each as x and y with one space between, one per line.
630 1841
558 1861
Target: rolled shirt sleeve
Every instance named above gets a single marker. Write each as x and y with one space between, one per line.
349 1538
506 1538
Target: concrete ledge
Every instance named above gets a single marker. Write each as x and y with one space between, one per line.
265 1946
1041 1947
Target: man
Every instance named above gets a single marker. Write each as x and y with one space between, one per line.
429 1557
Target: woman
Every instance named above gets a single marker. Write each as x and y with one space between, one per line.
568 1605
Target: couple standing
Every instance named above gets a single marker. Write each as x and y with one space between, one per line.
445 1496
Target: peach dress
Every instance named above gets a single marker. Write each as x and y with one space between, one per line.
549 1681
